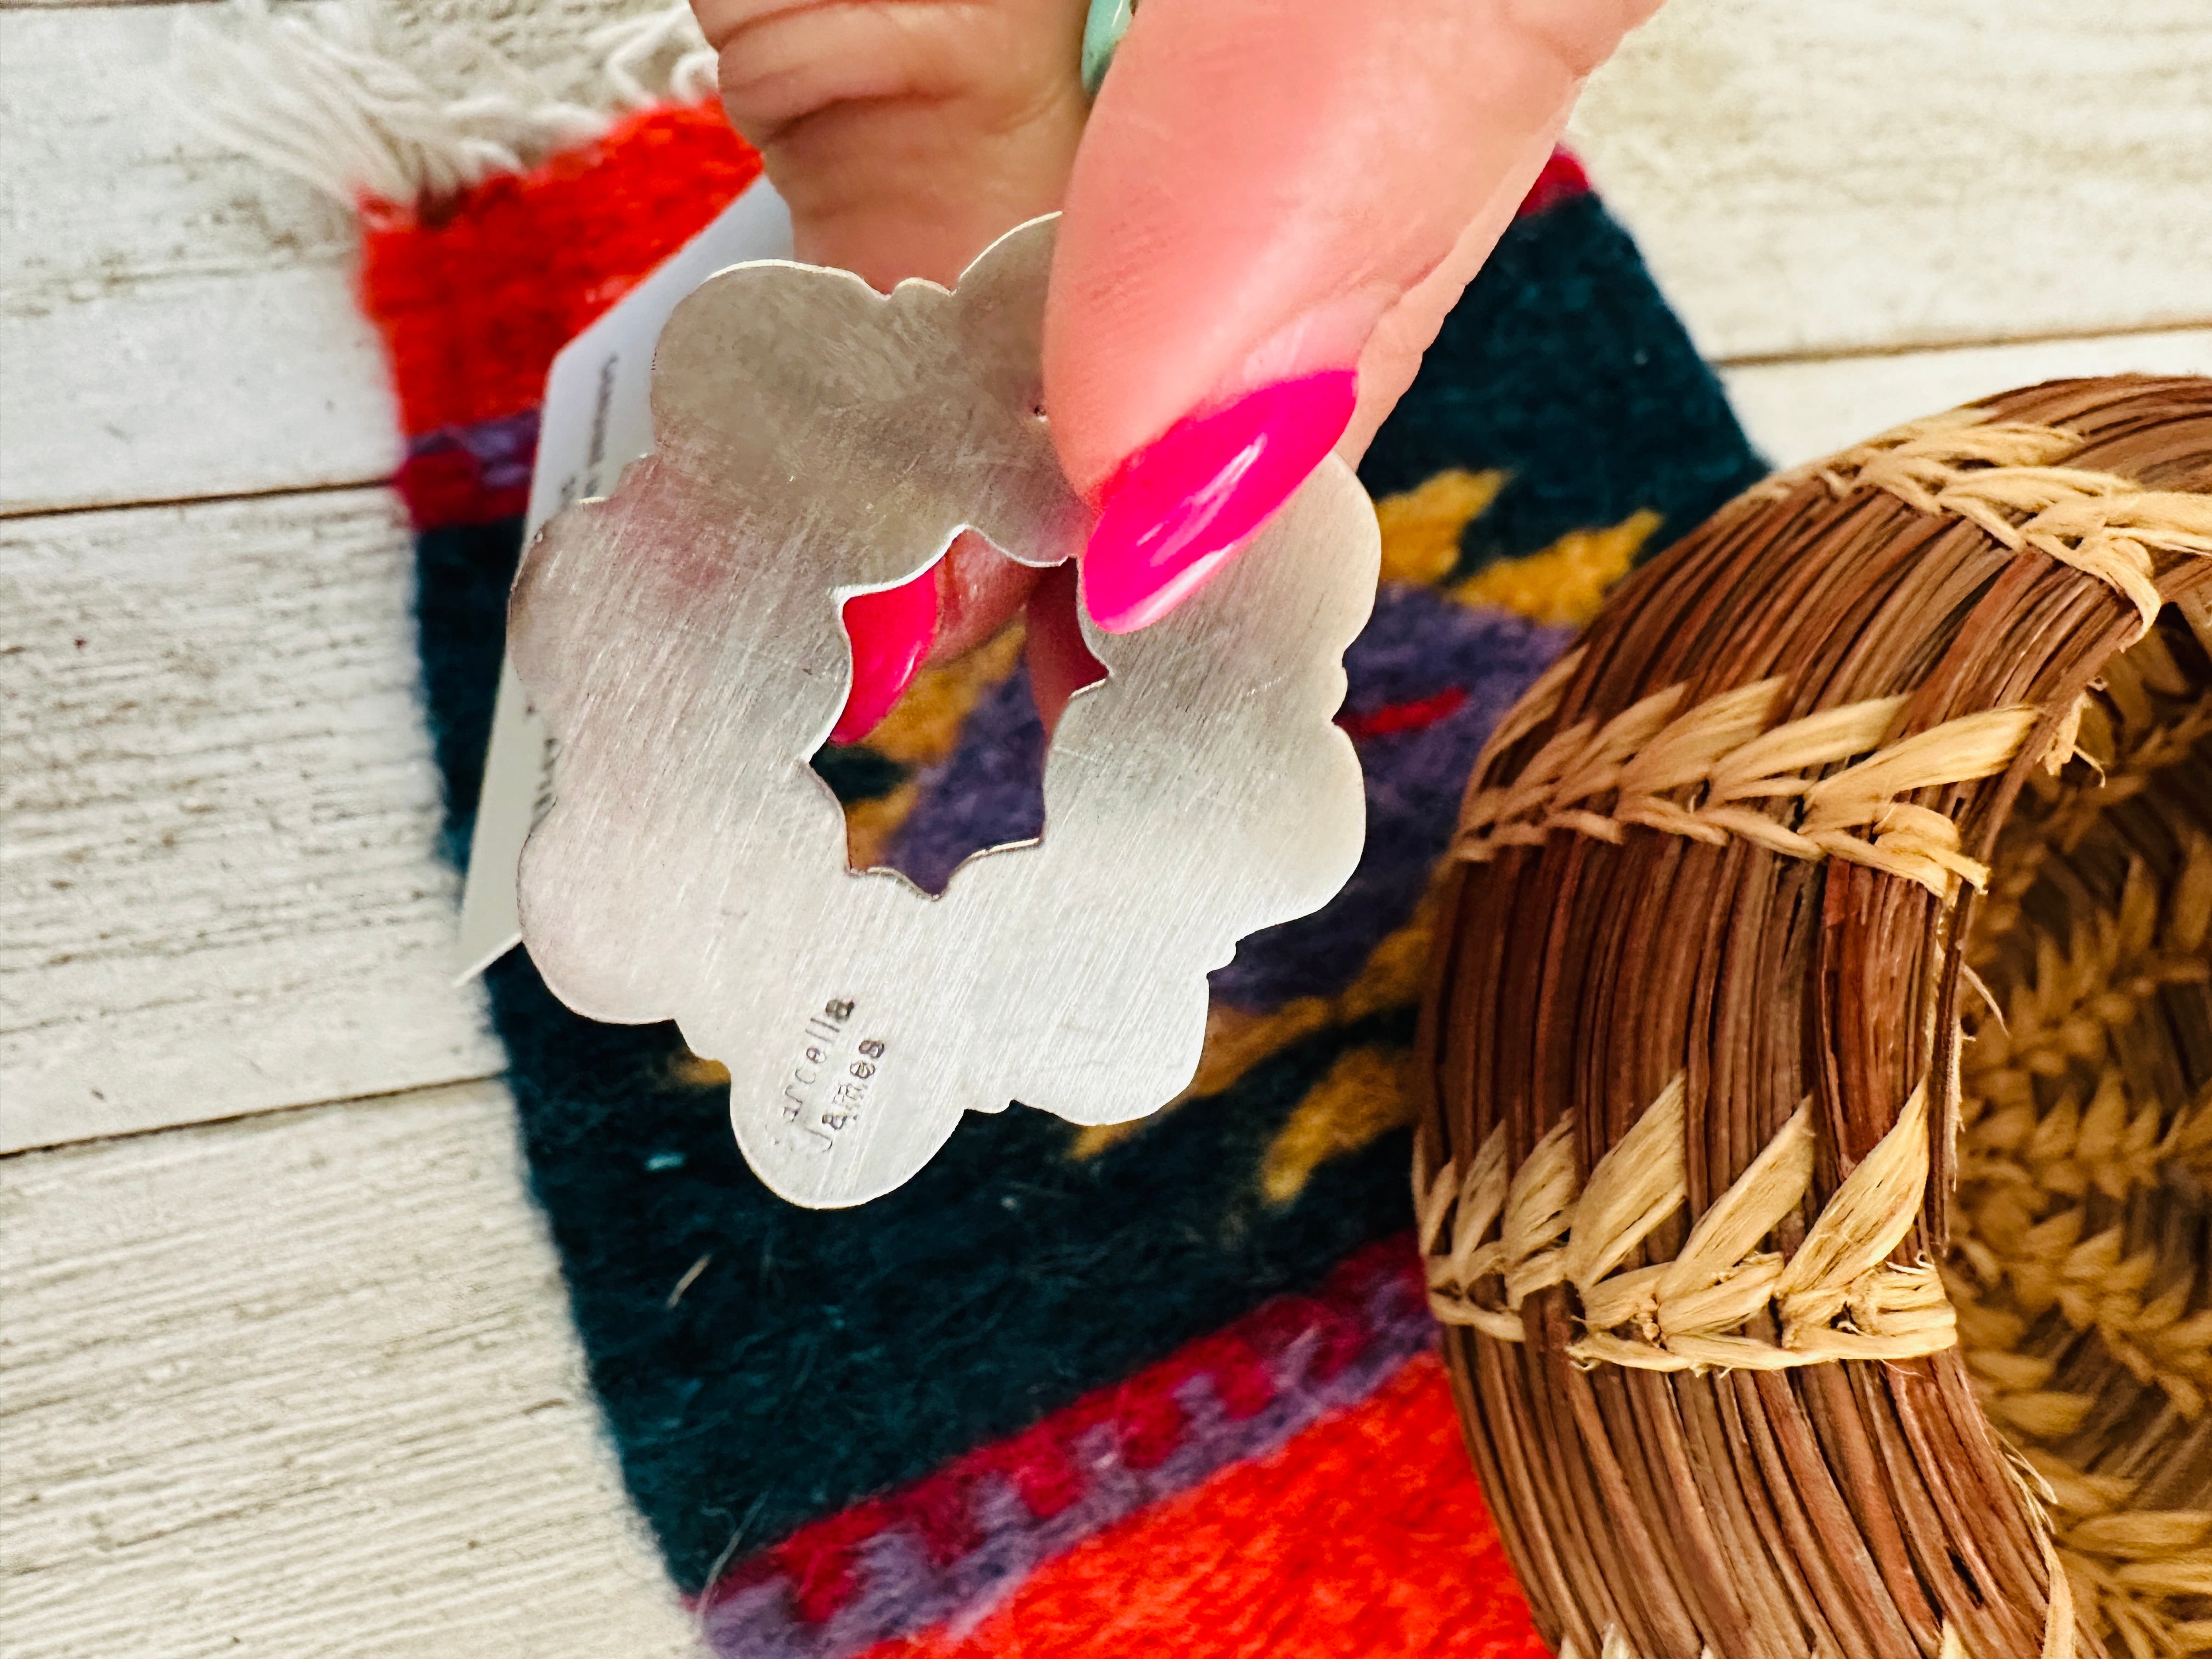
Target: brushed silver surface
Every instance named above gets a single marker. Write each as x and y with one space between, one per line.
682 639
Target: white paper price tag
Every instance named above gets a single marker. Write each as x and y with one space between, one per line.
595 422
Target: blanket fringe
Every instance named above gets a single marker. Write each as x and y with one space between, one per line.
326 94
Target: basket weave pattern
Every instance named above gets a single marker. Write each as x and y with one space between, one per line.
1816 1175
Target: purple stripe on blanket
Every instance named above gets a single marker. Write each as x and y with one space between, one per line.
499 452
901 1589
1420 643
474 474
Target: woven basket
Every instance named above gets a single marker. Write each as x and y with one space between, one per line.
1815 1175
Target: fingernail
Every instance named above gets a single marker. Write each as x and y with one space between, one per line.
891 633
1179 507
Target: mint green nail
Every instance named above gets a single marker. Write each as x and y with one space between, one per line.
1102 29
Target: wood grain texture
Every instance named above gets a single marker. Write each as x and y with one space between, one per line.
1811 179
222 883
176 322
547 35
1798 411
304 1385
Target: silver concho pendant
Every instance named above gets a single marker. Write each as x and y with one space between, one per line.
682 638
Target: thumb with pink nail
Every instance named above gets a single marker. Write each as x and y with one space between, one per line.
1274 206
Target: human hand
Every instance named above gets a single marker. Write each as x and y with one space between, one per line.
1269 212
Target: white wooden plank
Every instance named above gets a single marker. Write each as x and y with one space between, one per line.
176 322
544 34
1807 179
1798 411
221 885
306 1385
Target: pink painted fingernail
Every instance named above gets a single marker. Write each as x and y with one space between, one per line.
1180 507
891 633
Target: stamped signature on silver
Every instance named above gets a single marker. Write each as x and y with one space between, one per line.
815 440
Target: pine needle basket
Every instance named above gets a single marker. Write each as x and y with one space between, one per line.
1815 1168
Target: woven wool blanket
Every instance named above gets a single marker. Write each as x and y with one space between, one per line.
1168 1385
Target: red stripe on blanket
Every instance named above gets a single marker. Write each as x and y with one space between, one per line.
1364 1535
1562 179
1331 1345
474 295
1392 718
